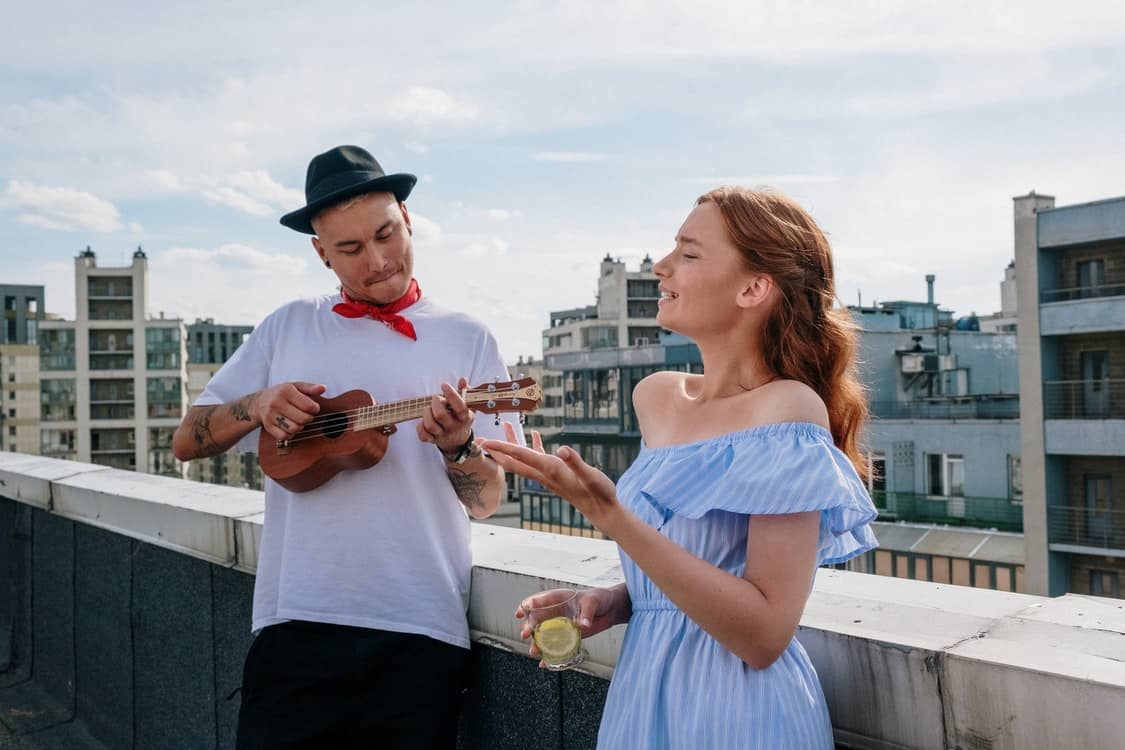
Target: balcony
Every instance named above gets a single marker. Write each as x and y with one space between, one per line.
995 406
542 510
125 605
998 513
1087 530
1084 417
1103 398
111 361
1087 309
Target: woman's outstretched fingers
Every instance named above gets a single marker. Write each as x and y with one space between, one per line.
536 441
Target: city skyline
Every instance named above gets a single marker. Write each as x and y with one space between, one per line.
546 138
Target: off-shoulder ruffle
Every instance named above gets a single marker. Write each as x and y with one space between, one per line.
789 467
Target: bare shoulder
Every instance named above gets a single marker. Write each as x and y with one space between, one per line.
657 388
789 401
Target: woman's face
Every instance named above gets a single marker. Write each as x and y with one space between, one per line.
701 278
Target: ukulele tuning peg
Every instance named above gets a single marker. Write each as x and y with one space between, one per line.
523 419
497 422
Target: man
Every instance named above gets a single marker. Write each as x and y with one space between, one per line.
362 585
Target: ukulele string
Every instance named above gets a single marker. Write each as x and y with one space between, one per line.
398 410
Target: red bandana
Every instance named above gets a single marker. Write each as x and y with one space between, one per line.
387 313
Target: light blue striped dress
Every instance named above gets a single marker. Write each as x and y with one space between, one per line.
675 686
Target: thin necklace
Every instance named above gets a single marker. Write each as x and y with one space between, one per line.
759 385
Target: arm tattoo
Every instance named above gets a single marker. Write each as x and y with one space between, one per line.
240 409
201 431
468 487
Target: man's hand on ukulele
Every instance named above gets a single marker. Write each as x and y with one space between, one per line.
284 409
448 422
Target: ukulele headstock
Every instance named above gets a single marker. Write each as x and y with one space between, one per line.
521 395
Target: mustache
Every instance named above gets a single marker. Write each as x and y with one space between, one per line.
381 277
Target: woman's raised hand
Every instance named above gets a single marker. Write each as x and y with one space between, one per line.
563 473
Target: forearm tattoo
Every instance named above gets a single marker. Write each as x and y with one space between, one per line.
240 409
468 488
201 431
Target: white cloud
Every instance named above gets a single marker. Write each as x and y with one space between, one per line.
568 156
423 105
233 257
62 208
417 148
164 179
253 192
500 214
768 179
426 231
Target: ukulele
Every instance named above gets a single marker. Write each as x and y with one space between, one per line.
351 431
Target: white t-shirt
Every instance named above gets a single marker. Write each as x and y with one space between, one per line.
386 547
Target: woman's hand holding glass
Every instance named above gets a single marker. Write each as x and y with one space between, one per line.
590 610
564 473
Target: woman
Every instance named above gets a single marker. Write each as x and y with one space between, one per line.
748 478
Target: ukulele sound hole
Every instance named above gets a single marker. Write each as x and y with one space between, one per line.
335 425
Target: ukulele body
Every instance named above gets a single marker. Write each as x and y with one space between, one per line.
326 446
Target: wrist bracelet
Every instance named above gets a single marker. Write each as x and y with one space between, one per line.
462 453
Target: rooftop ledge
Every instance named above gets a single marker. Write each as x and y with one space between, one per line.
903 663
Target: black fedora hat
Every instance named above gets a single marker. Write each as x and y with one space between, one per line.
338 174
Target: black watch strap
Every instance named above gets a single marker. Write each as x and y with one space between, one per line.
463 453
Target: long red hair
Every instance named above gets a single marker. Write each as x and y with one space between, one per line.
806 337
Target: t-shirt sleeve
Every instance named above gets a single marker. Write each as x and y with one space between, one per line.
488 367
247 371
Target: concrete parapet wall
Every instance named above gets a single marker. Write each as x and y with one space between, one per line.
124 620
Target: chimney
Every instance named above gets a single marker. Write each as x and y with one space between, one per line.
930 288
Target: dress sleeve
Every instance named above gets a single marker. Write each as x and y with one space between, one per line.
787 468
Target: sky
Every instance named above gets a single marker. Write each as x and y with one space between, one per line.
544 136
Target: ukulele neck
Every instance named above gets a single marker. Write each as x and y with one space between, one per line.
384 415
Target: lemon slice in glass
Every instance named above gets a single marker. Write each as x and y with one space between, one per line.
558 640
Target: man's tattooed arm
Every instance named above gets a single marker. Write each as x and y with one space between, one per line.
201 431
210 430
478 482
468 487
240 409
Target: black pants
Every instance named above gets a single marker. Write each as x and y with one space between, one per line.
313 685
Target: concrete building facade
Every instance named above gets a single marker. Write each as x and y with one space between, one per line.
113 382
19 398
1070 269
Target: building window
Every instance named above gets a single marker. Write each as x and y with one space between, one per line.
599 337
1015 479
1105 583
1091 277
877 478
945 475
1099 507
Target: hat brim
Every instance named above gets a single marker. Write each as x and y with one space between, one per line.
398 184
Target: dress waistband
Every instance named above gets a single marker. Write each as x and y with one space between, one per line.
654 605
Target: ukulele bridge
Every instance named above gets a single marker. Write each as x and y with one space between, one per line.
282 447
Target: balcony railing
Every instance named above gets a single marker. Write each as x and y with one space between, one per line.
541 510
1082 292
987 512
1103 398
999 406
1086 527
